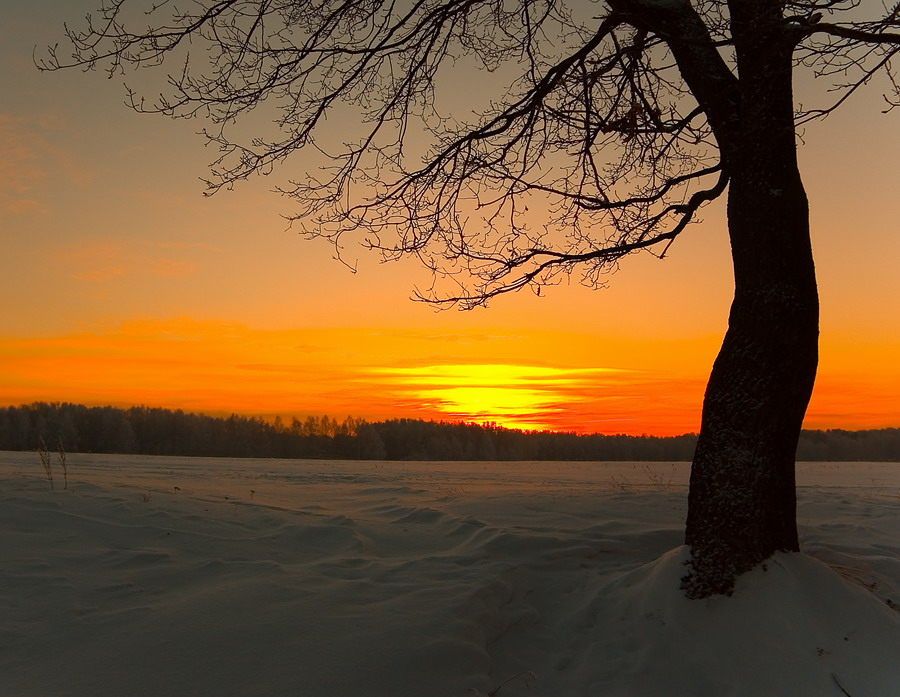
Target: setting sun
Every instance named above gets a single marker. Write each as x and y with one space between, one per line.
514 396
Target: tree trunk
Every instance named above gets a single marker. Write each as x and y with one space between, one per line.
742 501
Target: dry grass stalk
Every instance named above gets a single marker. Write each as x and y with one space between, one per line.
61 453
44 454
657 479
526 674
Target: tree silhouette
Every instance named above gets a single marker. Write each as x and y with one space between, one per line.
580 132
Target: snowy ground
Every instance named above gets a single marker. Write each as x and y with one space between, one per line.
171 577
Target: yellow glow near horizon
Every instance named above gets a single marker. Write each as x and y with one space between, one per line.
514 396
509 407
474 374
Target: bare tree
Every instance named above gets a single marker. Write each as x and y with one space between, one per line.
607 126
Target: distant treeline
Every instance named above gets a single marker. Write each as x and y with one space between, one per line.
155 431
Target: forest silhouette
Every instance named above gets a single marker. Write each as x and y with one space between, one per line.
156 431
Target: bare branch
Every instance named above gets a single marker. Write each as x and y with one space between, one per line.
599 139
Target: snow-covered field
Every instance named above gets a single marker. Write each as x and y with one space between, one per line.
165 577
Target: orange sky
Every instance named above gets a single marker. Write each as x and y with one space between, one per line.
123 285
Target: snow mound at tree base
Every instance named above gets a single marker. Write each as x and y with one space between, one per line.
793 628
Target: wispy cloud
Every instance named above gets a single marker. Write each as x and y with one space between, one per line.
30 160
100 261
21 167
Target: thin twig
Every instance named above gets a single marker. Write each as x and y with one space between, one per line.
838 683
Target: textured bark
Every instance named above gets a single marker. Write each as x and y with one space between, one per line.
742 501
